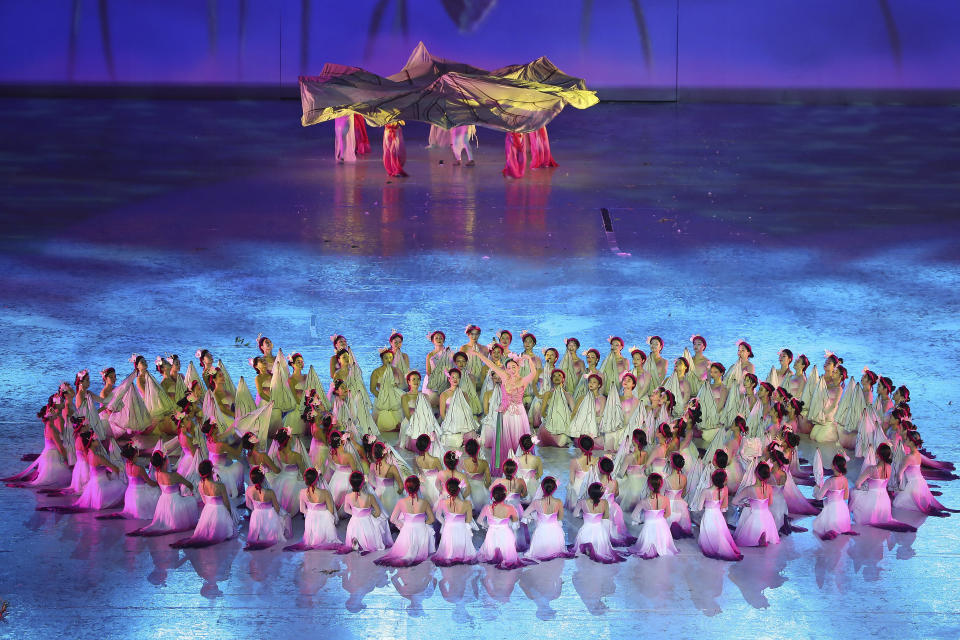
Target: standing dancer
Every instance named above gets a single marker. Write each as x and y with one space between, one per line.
394 153
512 420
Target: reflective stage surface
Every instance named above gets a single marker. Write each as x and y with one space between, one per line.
152 227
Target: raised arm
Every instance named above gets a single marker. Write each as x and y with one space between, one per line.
534 372
490 365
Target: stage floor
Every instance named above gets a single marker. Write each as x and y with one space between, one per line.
151 227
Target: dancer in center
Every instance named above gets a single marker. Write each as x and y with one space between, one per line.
512 420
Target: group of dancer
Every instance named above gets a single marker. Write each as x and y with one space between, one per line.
352 142
691 448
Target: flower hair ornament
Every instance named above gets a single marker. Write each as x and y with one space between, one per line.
83 373
456 453
158 360
471 327
134 357
198 354
535 440
104 372
251 361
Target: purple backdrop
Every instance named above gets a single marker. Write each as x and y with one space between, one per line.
733 43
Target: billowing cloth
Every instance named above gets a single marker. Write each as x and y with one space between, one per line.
519 98
394 153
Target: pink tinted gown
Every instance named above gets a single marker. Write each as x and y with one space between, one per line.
414 543
756 527
593 540
547 541
500 545
655 538
456 540
514 424
834 519
715 540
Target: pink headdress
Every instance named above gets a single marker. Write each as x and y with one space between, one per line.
198 354
471 327
134 357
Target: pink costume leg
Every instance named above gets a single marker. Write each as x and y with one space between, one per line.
394 154
546 158
533 143
516 156
346 142
360 129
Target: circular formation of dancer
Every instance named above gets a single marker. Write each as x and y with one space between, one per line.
688 448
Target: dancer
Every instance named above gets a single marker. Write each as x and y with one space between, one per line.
655 538
593 538
439 361
556 408
871 504
218 520
456 534
757 527
287 484
715 540
460 143
384 386
142 494
580 468
571 365
385 479
344 465
413 516
478 472
450 460
367 530
515 150
269 524
633 484
345 147
175 511
394 153
539 143
50 469
834 519
915 494
500 545
429 467
529 465
419 419
548 541
678 517
512 416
